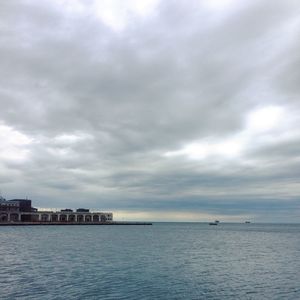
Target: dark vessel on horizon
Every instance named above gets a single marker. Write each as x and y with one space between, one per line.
216 222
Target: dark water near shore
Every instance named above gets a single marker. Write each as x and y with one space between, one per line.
163 261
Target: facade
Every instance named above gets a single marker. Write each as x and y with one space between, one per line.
20 210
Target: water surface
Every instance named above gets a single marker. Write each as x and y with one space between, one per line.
163 261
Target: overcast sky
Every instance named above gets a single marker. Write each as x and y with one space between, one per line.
155 110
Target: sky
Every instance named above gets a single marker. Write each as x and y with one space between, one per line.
154 110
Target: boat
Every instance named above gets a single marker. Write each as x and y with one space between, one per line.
216 222
247 222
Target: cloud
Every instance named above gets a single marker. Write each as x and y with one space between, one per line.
153 108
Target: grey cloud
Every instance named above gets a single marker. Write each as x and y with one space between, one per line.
180 75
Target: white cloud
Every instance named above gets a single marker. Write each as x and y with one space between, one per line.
14 144
220 4
118 13
70 139
265 119
224 148
263 126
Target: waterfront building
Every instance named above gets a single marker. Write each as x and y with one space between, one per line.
21 210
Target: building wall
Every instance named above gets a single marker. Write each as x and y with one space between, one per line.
20 210
17 216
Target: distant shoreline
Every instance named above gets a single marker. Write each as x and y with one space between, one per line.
71 223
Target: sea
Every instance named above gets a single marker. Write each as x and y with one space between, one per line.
162 261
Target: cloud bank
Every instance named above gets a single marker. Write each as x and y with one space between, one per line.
152 109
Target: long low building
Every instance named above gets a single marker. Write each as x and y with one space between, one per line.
21 210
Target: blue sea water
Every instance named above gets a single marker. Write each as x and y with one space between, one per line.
163 261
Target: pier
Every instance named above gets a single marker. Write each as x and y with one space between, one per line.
19 212
71 223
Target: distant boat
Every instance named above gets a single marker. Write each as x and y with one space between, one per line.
247 222
214 223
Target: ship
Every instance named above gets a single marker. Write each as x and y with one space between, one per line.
216 222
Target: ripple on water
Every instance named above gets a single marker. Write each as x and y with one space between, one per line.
163 261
